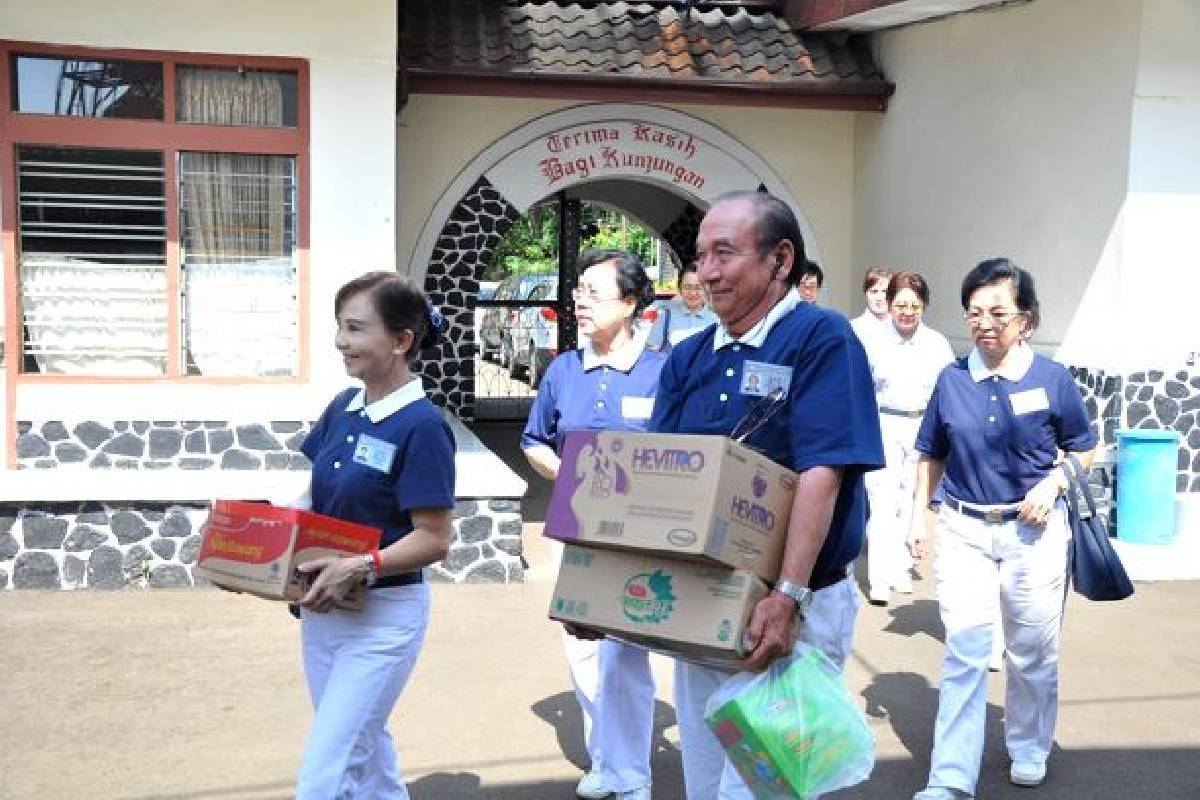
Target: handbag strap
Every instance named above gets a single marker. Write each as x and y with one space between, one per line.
1078 483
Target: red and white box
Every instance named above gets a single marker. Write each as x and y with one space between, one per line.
256 547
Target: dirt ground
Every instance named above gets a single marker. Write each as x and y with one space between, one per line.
198 695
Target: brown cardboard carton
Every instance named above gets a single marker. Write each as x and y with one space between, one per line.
255 548
705 498
681 608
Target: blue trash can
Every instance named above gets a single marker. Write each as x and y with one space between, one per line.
1146 462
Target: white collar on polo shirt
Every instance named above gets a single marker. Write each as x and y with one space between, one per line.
622 359
758 334
1018 364
390 403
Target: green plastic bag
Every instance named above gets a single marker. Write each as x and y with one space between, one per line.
792 731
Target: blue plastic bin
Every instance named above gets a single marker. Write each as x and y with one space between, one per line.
1146 462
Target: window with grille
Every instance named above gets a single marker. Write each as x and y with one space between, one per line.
159 237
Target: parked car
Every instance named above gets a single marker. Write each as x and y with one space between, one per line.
532 343
497 320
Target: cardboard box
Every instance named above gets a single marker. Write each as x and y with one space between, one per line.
255 548
705 498
684 609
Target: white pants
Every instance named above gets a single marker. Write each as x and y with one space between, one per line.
890 492
357 663
1018 571
615 689
707 774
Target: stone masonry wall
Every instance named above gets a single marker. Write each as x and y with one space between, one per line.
141 444
154 545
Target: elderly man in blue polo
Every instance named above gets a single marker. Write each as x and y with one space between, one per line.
750 254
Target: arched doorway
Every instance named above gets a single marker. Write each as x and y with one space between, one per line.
659 165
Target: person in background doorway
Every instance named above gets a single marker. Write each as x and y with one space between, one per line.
382 456
608 384
906 357
992 436
827 430
683 315
809 282
874 317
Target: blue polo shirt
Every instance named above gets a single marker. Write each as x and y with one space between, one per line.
829 417
999 432
373 464
584 391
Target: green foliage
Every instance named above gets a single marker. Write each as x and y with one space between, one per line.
531 244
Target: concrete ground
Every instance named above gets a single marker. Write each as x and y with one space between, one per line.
198 695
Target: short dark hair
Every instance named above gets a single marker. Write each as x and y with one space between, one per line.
997 270
908 280
632 280
774 222
400 305
810 268
876 274
687 269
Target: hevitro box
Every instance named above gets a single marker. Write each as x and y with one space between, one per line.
255 548
706 498
681 608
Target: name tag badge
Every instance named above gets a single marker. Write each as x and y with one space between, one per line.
760 378
1029 401
637 407
374 453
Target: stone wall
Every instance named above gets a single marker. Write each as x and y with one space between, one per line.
1148 400
154 545
141 444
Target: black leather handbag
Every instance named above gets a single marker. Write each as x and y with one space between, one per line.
1096 570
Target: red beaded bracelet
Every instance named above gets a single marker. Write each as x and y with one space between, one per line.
378 559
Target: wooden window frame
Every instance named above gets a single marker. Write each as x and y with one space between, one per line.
170 138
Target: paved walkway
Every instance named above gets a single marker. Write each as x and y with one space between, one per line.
198 694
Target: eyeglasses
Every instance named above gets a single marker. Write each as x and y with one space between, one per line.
908 308
690 287
1002 317
759 414
590 295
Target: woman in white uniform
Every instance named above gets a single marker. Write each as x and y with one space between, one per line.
906 357
608 384
992 435
875 316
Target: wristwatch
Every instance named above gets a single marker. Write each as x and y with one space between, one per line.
800 595
372 571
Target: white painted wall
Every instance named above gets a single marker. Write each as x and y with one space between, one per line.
1009 134
810 151
1162 215
352 73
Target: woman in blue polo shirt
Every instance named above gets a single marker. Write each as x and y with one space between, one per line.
608 384
992 435
382 456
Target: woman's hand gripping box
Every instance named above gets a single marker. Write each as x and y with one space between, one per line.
255 548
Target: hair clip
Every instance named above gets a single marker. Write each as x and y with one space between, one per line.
436 320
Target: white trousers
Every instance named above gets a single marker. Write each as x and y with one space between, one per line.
1019 572
356 664
890 492
707 774
615 690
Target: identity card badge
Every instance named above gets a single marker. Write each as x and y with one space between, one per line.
760 378
1029 401
374 453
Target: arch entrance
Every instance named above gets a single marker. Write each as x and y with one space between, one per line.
656 165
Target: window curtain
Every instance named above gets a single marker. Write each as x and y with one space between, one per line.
229 97
239 272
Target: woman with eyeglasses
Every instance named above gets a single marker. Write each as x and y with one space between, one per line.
906 356
684 315
607 384
996 424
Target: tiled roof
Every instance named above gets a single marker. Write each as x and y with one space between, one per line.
724 46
